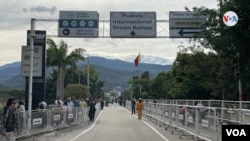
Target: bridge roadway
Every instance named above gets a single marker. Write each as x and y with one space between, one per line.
113 123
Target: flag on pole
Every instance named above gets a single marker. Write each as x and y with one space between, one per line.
137 59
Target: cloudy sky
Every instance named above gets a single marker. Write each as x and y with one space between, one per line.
16 16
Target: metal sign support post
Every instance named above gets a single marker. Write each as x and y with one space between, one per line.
32 35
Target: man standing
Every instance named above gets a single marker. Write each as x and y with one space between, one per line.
102 104
92 110
139 106
133 106
9 121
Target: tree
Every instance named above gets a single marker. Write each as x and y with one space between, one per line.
76 90
59 59
230 43
50 88
72 77
161 85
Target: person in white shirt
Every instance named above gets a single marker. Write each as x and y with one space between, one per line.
202 110
21 109
70 104
42 105
58 102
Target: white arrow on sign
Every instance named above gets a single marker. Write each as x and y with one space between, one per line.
184 33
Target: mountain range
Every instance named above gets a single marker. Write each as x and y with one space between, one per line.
113 72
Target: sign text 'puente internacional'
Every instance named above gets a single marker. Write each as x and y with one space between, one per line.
132 24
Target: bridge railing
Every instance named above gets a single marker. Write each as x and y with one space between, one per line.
51 119
46 120
204 123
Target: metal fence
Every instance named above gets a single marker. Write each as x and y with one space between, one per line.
205 124
52 119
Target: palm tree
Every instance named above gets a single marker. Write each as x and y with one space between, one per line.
59 59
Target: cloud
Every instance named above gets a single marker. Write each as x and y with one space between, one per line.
16 14
40 9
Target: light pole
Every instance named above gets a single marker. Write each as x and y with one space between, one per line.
79 77
32 35
88 70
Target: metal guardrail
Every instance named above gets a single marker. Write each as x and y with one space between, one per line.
205 125
49 120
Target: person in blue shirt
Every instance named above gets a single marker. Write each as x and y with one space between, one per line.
75 102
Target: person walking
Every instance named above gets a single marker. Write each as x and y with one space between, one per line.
133 103
202 111
182 111
139 107
9 121
102 104
21 109
92 110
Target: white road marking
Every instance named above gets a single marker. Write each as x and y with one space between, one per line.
162 136
85 131
92 126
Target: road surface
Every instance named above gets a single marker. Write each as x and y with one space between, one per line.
114 123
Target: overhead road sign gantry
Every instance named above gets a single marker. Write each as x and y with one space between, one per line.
78 24
133 24
185 24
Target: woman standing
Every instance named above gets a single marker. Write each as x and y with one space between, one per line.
9 121
139 106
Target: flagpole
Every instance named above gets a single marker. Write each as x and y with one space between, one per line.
137 61
140 84
131 88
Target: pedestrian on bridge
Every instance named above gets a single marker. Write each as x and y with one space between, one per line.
58 102
92 110
9 121
101 104
133 103
140 107
182 110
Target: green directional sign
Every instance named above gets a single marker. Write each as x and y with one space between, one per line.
78 24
